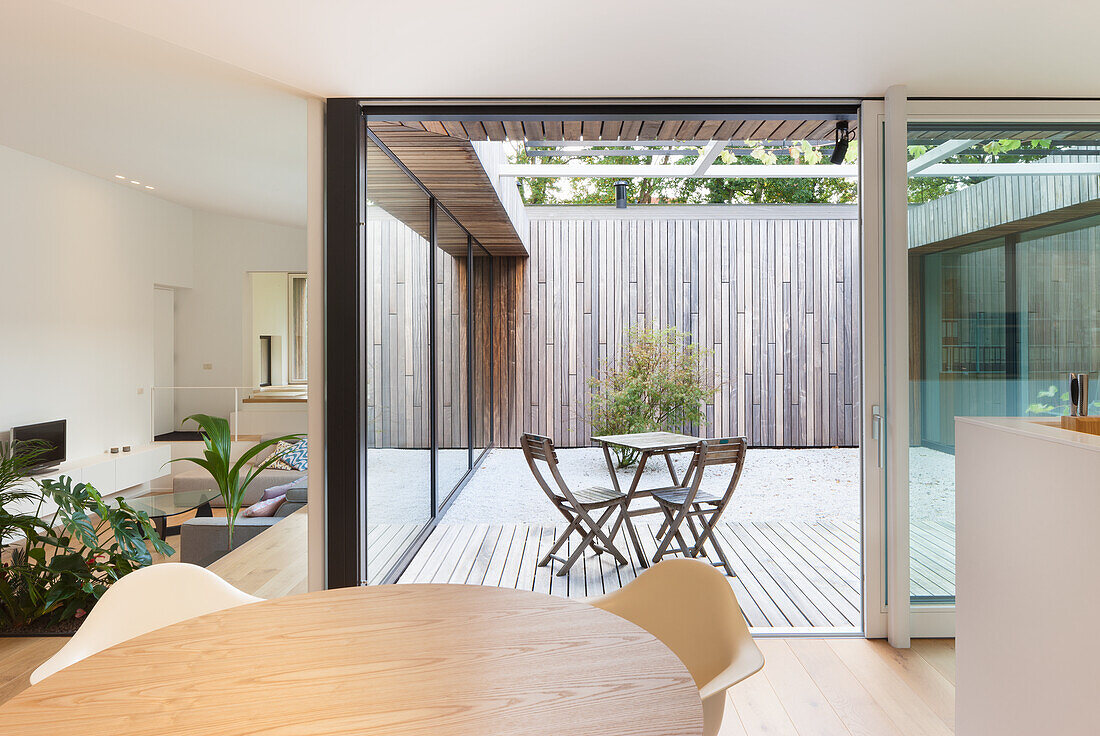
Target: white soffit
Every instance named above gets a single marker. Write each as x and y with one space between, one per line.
104 99
499 48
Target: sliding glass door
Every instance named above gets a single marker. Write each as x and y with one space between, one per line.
1000 261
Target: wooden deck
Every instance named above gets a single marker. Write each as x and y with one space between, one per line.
790 576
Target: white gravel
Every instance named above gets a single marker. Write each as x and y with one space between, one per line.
813 484
795 485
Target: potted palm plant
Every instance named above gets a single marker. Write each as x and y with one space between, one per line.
232 478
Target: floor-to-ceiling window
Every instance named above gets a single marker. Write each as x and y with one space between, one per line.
1004 267
397 345
426 342
452 379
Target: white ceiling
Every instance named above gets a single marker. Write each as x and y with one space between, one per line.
516 48
204 98
106 100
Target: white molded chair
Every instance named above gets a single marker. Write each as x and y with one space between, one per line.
146 599
690 606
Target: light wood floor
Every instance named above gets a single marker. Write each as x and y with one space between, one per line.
846 687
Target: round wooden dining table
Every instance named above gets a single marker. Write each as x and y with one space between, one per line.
373 661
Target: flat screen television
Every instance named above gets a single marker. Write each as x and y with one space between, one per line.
46 436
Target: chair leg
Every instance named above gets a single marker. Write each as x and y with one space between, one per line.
607 544
708 532
574 523
673 530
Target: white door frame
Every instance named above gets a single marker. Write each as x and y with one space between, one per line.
871 119
914 620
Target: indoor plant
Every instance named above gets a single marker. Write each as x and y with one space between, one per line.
52 573
217 460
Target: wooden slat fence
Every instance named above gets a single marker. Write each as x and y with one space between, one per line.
772 291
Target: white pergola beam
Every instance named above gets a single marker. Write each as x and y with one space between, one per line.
937 154
710 154
785 171
657 171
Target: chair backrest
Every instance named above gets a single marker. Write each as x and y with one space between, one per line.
718 451
535 448
146 599
690 606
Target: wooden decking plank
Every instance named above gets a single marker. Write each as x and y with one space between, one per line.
813 588
771 597
788 574
460 564
509 576
500 556
846 568
480 565
800 604
838 547
436 547
449 562
543 575
835 590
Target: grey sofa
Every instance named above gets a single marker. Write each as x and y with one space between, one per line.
205 539
198 479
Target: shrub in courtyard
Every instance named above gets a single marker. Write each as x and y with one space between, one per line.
659 383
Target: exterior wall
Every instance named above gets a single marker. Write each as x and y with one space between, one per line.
773 291
1000 205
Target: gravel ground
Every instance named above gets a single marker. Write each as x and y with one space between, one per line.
814 484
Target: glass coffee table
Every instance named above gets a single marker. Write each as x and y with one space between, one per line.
159 506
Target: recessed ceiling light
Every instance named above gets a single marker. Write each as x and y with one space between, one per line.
119 176
134 182
148 187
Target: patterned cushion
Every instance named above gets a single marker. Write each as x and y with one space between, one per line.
291 456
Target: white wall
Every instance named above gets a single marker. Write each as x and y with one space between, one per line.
270 316
79 257
213 319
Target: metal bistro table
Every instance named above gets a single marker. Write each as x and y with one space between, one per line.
646 444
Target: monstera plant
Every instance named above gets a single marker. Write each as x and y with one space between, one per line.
61 546
218 461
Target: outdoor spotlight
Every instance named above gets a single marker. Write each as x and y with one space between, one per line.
620 194
841 147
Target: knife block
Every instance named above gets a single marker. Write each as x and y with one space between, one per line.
1088 425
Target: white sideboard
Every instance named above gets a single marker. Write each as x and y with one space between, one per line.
1027 509
113 473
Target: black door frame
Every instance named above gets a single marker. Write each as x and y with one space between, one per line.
345 359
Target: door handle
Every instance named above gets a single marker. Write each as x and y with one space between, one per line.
878 433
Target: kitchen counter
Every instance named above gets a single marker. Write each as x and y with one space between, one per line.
1027 507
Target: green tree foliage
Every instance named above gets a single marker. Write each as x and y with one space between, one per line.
671 190
659 383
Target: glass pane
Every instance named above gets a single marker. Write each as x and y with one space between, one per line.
452 431
397 262
481 374
1000 309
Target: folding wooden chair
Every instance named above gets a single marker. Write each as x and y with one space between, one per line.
575 507
689 504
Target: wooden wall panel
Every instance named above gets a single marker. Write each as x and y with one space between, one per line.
773 294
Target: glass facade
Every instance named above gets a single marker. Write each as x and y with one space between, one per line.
1004 296
426 335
